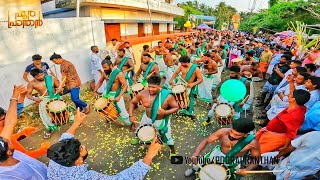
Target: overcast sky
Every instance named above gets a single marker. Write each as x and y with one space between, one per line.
240 5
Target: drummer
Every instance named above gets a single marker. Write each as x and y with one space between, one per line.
192 76
38 83
146 68
160 51
210 78
234 74
116 87
171 67
158 110
236 141
125 64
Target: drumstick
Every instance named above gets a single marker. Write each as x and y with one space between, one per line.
260 172
184 81
44 93
150 75
205 171
62 83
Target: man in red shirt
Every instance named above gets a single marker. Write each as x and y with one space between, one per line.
283 127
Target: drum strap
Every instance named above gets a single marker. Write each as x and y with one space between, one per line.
123 62
157 103
198 51
175 46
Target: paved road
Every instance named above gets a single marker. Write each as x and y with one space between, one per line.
110 150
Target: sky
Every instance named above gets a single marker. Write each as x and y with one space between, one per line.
240 5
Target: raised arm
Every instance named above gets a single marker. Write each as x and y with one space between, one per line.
212 138
175 74
11 119
78 119
98 84
155 69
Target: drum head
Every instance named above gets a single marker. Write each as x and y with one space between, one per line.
213 172
146 133
57 106
223 110
137 87
100 103
178 89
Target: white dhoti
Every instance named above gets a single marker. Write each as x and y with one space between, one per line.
96 77
162 66
124 115
158 124
169 72
46 120
193 57
247 105
205 88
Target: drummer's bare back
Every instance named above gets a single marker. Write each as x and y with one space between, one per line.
147 101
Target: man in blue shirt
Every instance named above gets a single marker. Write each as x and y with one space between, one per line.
37 64
68 156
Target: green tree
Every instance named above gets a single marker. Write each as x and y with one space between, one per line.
272 2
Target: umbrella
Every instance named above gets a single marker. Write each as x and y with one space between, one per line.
203 26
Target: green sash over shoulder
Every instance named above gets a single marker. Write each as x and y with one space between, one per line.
123 62
112 77
230 157
198 51
192 91
157 103
175 46
203 47
146 73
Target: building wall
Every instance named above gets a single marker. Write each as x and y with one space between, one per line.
163 28
113 13
70 37
129 30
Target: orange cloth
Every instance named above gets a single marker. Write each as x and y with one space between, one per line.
262 67
270 141
25 133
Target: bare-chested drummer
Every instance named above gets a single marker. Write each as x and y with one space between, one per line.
192 76
125 64
171 67
116 87
38 83
146 68
195 52
210 78
234 142
159 105
160 51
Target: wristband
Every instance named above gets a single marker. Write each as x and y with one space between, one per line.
14 99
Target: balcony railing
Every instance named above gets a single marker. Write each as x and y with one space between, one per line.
154 5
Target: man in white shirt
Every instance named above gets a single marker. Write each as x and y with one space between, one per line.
14 164
96 68
129 52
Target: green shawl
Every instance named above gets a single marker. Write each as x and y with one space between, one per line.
157 103
192 92
112 77
144 80
203 47
198 51
123 62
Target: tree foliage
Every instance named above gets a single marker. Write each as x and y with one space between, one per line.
278 16
222 12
